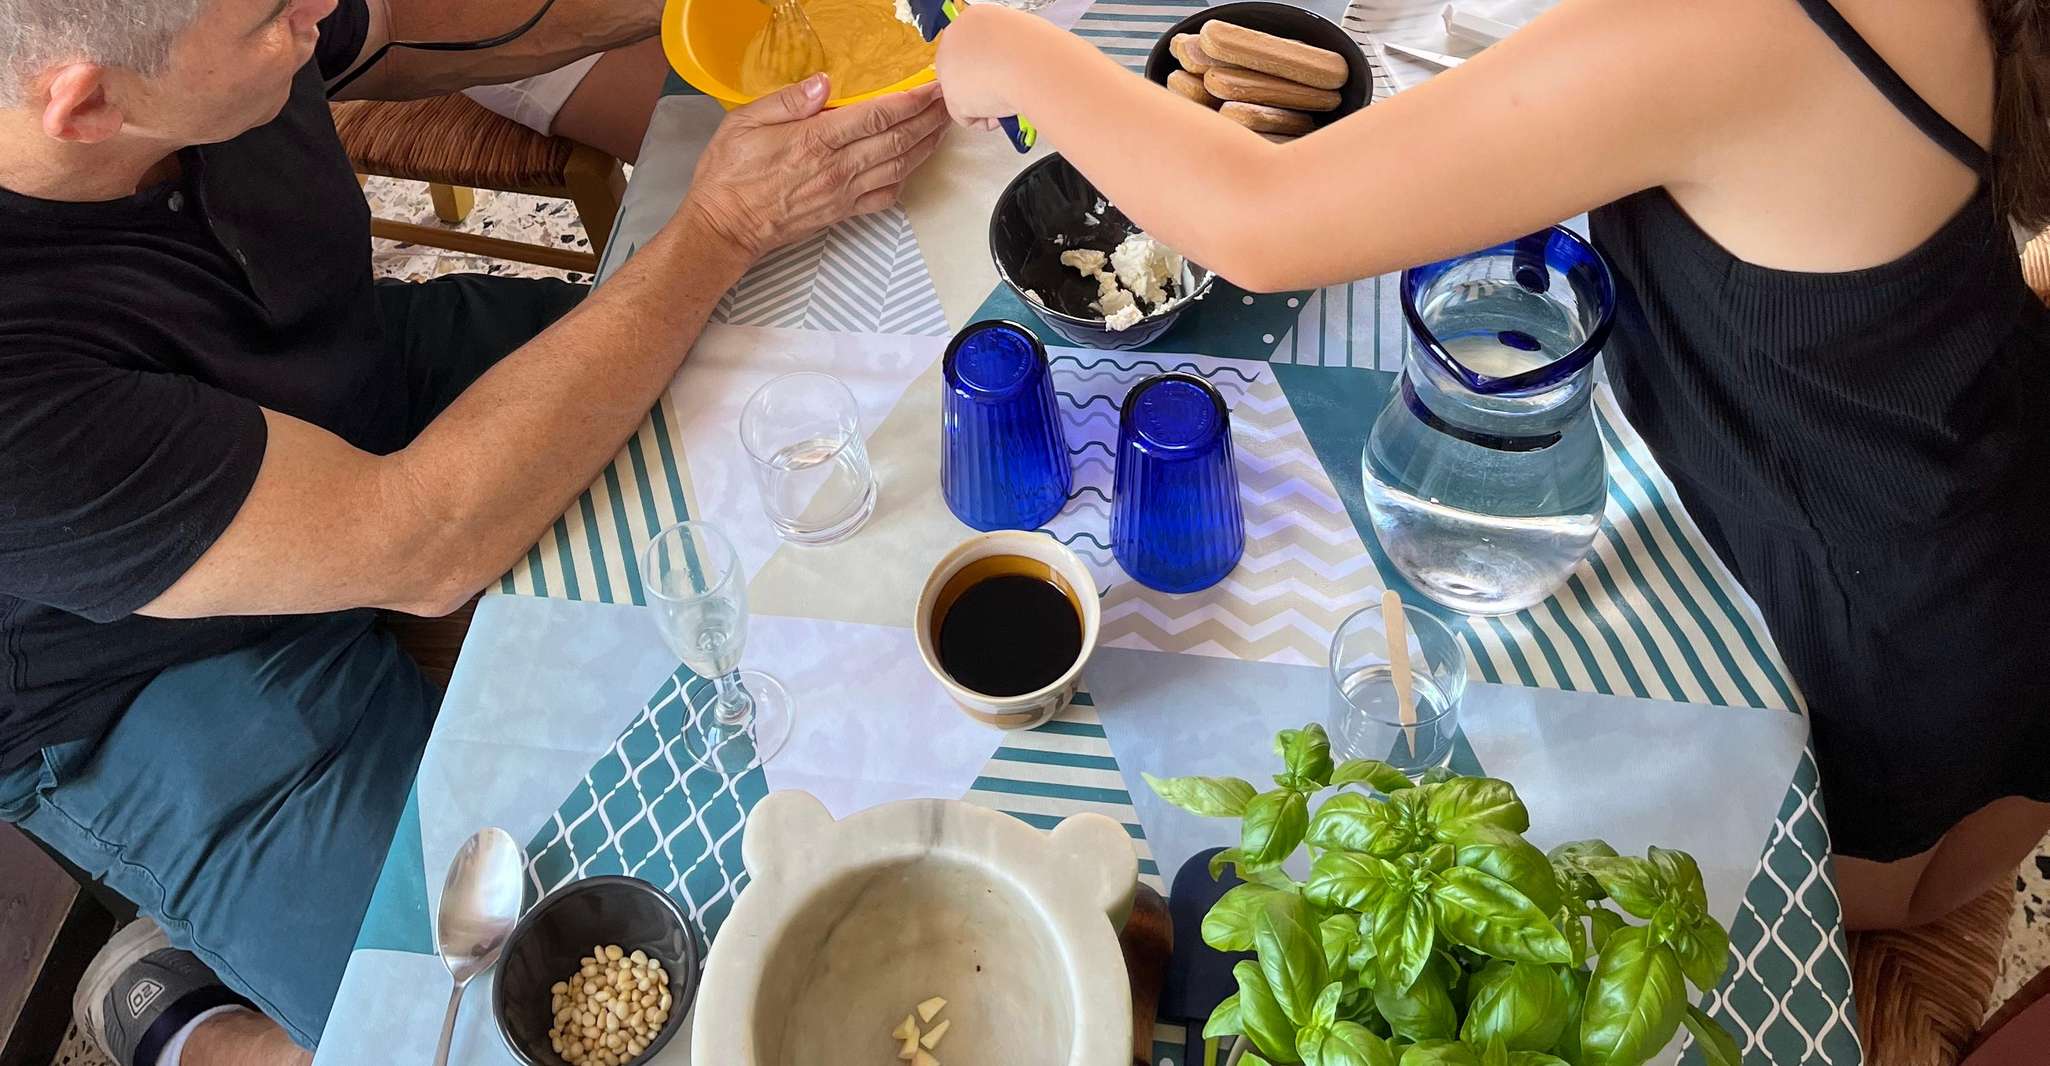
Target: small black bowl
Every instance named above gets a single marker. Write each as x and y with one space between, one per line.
1050 208
561 929
1281 20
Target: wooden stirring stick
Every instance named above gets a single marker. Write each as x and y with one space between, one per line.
1398 663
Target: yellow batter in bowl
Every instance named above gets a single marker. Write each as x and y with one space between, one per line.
867 48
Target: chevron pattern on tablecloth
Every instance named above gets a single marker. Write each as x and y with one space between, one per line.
865 275
871 278
1304 568
646 810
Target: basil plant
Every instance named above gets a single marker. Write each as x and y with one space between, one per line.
1431 933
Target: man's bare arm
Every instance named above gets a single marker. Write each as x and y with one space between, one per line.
327 527
571 30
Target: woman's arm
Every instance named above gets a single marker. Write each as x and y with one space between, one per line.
571 30
1594 100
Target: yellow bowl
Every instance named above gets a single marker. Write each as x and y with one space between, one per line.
704 40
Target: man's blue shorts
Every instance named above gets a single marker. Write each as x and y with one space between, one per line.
246 802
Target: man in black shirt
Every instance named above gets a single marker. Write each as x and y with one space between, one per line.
220 443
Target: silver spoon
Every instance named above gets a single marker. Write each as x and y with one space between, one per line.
480 903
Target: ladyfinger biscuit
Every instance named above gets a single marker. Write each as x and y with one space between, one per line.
1190 86
1318 68
1262 119
1253 87
1188 51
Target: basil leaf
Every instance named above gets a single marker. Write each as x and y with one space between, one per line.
1573 987
1423 1011
1348 880
1437 775
1718 1047
1228 856
1305 757
1270 1030
1680 876
1291 954
1211 797
1434 859
1632 883
1605 922
1511 858
1348 1044
1362 954
1440 1053
1224 1021
1324 1012
1309 1043
1703 948
1273 826
1488 915
1229 925
1465 802
1273 876
1254 1060
1574 879
1372 773
1535 1058
1520 1005
1405 927
1634 1002
1574 925
1350 821
1494 1054
1338 934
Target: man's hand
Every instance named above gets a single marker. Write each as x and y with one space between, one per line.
780 170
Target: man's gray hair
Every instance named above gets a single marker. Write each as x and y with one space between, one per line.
38 34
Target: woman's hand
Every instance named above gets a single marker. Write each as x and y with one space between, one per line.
969 62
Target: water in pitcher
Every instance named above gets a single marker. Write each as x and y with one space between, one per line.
1485 480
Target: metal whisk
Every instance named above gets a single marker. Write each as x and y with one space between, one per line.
790 46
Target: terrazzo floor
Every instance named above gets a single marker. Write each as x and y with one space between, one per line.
526 218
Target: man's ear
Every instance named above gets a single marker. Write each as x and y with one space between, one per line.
76 107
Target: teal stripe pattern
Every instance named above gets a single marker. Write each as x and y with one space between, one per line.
1062 768
1125 30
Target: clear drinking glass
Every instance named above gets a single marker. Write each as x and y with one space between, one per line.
699 594
803 432
1366 719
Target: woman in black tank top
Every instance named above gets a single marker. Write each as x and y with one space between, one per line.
1861 443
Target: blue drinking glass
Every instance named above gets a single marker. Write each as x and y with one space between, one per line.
1175 522
1003 458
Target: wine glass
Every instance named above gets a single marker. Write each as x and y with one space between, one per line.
694 582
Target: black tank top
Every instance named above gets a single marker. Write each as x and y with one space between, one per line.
1883 402
1868 454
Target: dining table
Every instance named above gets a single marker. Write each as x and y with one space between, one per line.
1643 703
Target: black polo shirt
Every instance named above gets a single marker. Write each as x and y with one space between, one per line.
139 339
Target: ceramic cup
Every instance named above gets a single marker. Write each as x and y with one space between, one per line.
988 555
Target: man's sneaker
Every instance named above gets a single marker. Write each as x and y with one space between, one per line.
139 991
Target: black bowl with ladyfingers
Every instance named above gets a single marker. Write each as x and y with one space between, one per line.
1275 69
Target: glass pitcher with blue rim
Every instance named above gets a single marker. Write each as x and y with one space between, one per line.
1485 477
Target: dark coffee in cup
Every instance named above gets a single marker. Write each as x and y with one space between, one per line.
1006 622
1010 633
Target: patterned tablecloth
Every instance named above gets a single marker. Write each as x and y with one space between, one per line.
564 715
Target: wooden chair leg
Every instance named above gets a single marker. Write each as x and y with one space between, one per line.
452 203
596 184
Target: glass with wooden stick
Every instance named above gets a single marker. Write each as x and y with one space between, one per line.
1371 717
